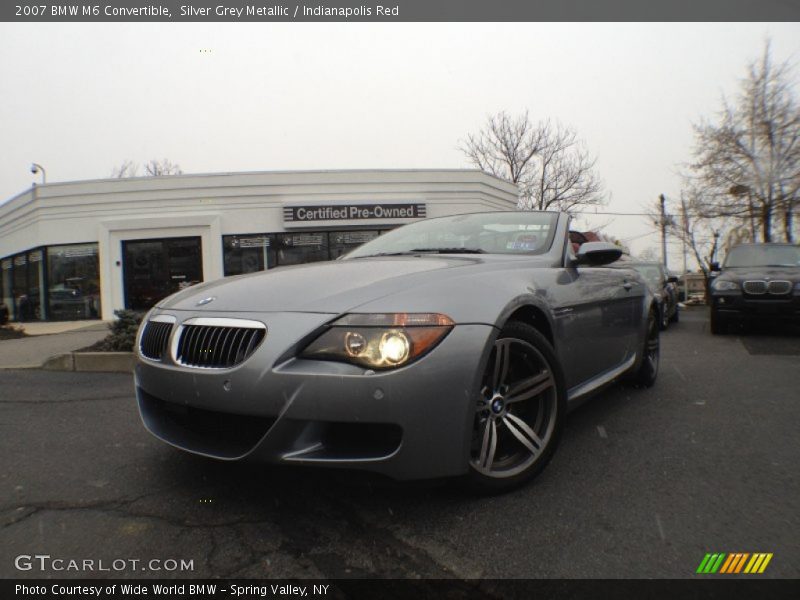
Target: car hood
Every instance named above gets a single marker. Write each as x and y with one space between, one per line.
745 273
329 287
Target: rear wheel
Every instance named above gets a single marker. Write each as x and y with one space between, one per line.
664 318
518 412
647 372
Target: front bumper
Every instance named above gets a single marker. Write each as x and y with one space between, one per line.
741 306
410 423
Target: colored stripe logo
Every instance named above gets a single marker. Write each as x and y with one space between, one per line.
735 562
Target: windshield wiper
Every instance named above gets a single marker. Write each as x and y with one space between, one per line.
451 250
426 251
404 253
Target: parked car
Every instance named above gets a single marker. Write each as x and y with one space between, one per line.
664 288
451 346
66 303
756 282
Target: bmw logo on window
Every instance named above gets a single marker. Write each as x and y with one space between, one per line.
205 301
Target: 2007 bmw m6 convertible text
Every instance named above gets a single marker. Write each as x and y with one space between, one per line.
450 346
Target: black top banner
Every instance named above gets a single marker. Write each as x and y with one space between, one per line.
399 10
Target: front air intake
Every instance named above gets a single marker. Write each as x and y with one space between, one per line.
210 343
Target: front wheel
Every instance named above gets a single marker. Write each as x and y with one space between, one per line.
518 412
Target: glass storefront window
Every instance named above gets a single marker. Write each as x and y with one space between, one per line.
36 285
23 308
154 269
299 248
247 253
341 242
7 289
73 282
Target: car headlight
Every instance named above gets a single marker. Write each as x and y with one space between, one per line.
723 285
380 340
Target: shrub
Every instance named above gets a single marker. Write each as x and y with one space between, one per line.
123 332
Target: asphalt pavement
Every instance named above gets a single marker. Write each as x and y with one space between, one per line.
645 482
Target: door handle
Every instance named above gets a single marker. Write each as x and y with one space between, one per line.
627 285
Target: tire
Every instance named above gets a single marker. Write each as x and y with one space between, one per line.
719 326
647 372
663 318
519 411
676 316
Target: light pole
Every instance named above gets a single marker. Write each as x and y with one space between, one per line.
663 224
35 168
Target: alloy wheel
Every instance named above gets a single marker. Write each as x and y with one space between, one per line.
515 412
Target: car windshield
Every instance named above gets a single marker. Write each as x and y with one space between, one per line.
764 256
514 232
651 273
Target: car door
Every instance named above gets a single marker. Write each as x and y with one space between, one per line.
597 317
595 313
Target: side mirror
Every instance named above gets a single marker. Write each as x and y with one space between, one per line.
715 266
597 253
672 279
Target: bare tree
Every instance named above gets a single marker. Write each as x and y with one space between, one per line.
155 168
128 168
506 147
152 168
702 235
547 161
565 172
748 161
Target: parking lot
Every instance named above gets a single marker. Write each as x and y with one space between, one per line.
645 482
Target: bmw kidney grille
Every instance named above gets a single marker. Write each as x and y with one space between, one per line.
217 343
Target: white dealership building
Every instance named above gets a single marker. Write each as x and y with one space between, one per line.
83 249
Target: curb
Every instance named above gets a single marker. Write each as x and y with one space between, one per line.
92 362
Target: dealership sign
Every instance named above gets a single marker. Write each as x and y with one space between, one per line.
297 215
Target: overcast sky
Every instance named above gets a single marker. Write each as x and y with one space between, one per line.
82 98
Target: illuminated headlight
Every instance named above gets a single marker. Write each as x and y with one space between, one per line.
380 341
355 344
723 285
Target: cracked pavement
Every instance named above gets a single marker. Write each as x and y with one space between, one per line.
643 484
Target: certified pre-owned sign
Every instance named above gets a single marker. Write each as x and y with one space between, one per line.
293 215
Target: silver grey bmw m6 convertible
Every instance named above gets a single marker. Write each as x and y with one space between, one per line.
453 346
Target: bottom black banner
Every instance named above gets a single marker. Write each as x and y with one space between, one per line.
390 589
